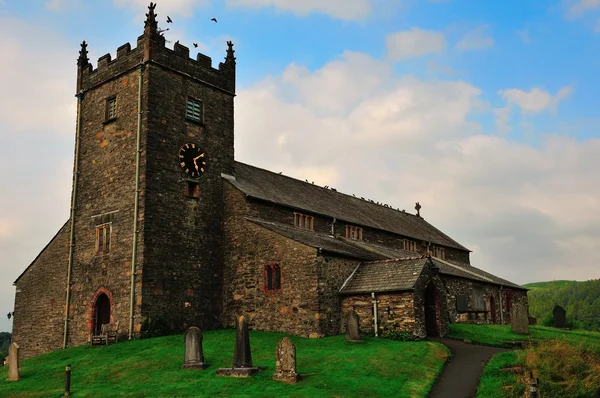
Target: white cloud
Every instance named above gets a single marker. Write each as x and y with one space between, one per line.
502 120
37 115
342 9
475 40
535 100
577 8
410 140
524 36
413 43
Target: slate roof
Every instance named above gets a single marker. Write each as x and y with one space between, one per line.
392 275
374 253
283 190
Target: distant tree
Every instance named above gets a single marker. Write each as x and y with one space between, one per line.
5 339
581 300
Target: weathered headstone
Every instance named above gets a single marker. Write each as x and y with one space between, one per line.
194 356
519 319
14 373
285 362
560 317
353 327
242 357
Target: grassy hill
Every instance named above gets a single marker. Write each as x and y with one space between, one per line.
151 367
580 299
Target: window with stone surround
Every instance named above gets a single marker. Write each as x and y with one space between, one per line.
111 108
303 221
354 233
477 299
439 252
272 278
462 304
192 189
410 245
507 301
103 239
194 110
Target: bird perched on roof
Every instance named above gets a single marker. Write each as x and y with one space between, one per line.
280 172
169 20
214 19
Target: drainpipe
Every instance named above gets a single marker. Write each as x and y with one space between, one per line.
138 151
73 207
375 319
501 309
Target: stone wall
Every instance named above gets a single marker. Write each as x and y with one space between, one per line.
465 287
401 314
248 248
332 272
38 323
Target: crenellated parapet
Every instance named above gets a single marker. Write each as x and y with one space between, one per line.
151 49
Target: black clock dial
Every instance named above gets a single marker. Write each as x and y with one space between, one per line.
192 160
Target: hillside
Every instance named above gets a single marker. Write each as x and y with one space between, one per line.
151 367
580 299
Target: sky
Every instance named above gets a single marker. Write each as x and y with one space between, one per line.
485 112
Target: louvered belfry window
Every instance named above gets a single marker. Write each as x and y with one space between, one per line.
194 110
111 108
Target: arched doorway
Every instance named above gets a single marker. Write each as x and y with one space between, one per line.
101 312
493 309
431 311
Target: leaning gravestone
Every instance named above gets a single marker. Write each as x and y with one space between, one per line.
560 317
242 357
14 373
519 319
285 362
194 357
353 327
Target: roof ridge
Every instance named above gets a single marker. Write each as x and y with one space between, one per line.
390 260
396 209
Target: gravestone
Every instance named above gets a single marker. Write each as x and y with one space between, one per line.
353 327
519 319
242 357
14 373
285 362
560 317
194 357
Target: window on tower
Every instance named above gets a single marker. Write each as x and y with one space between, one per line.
272 278
194 110
192 189
103 239
111 108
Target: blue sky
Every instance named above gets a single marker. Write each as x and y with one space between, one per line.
484 111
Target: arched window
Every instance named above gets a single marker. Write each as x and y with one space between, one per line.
272 277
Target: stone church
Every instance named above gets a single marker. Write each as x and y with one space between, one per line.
166 225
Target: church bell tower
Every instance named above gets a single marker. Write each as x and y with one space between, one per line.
154 135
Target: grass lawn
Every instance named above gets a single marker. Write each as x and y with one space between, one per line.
142 368
566 362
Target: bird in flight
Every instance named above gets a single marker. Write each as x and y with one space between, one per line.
169 20
214 19
195 44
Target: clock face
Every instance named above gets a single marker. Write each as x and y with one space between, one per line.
192 160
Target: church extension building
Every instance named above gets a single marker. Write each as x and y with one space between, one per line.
166 225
